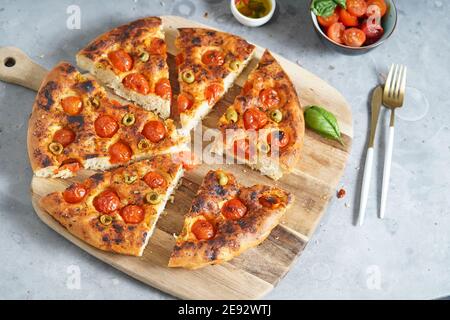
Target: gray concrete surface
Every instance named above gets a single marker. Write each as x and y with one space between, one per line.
406 255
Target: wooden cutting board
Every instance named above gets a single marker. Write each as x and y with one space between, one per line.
257 271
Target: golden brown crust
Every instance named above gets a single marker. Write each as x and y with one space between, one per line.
232 236
48 116
269 74
82 219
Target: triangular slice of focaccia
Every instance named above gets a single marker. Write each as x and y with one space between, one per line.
208 63
225 219
265 126
117 210
75 124
131 59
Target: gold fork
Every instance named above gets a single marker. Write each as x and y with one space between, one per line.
393 97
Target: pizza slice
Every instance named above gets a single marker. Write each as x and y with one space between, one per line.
75 124
226 219
117 210
131 59
208 63
265 126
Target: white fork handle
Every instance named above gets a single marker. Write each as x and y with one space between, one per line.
365 186
387 171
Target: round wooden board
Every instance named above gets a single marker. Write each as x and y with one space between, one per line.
257 271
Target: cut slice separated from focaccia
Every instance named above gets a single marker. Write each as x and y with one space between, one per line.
117 210
265 127
131 59
208 63
225 219
75 124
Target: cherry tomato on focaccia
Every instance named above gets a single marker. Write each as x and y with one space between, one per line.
64 136
242 148
72 105
163 89
74 193
269 98
213 58
184 102
136 82
381 4
121 60
278 139
158 46
203 230
348 19
179 59
106 202
132 214
234 209
120 152
72 165
328 21
254 119
354 37
154 180
212 93
106 126
154 131
336 31
358 8
270 201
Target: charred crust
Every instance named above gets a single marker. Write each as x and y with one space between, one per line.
87 86
106 239
196 41
98 177
90 156
117 227
45 97
76 120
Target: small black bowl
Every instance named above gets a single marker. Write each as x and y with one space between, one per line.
388 22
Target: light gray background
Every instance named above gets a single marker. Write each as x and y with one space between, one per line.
408 252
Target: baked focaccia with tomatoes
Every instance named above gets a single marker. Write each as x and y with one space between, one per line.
131 59
117 210
208 63
265 126
74 124
226 219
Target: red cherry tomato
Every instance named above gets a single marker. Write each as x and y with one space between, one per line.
64 136
179 59
72 105
328 21
158 46
154 131
184 102
358 8
132 214
269 98
248 86
270 201
107 202
373 32
278 139
163 89
155 180
121 60
106 126
242 148
348 19
136 82
354 37
74 193
234 209
212 93
203 230
254 119
213 58
120 152
381 4
335 32
72 165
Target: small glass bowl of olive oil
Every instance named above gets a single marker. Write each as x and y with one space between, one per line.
253 13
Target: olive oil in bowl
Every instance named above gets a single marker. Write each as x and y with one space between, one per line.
254 8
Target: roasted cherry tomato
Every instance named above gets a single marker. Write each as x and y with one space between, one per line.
203 230
213 58
64 136
158 46
107 202
154 131
234 209
254 119
381 4
163 89
136 82
155 180
373 32
242 148
354 37
132 214
120 152
72 105
179 59
71 164
74 193
121 60
358 8
184 102
269 98
212 93
106 126
270 201
335 32
328 21
248 86
348 19
278 139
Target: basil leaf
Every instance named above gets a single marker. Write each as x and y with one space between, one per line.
323 122
342 3
323 8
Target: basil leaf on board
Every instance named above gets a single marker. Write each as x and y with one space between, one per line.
342 3
323 8
323 122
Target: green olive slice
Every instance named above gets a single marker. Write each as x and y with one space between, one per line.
276 115
144 56
188 76
222 178
263 147
56 148
153 198
235 65
129 178
128 119
143 144
231 115
106 219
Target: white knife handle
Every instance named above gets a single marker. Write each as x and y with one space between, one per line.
387 171
365 185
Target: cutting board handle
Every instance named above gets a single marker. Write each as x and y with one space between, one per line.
16 67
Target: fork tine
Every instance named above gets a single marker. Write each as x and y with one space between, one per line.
387 85
398 80
403 84
394 83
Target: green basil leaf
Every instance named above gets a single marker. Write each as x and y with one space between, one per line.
323 8
342 3
323 122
